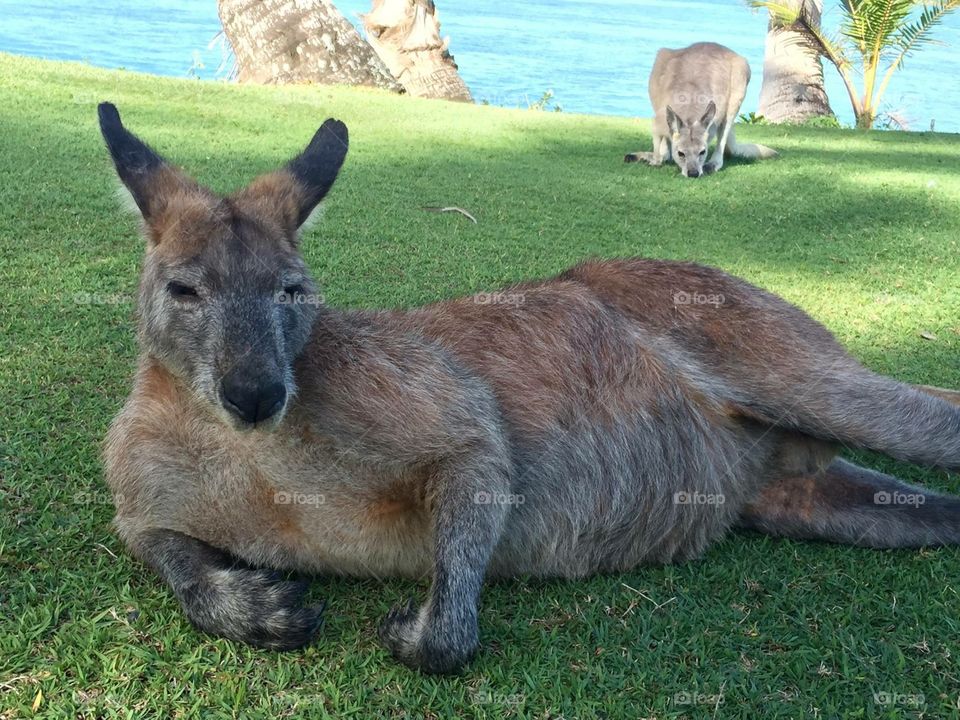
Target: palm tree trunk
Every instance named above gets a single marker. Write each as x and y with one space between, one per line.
406 36
792 88
291 41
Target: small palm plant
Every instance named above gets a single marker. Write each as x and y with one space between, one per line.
874 39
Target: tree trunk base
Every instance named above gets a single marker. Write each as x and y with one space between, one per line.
792 90
406 36
299 41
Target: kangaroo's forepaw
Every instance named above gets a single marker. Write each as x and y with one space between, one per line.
255 606
413 640
711 167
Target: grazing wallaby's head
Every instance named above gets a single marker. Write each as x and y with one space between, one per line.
226 303
689 137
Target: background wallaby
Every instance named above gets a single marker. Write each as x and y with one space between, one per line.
609 419
696 94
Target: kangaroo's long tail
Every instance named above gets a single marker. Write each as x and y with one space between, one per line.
748 150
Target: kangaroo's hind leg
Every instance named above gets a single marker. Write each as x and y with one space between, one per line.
849 504
661 152
951 396
847 404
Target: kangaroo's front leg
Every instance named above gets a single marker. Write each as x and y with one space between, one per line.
467 497
222 596
723 136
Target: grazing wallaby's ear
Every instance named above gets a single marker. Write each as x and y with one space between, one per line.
317 166
145 174
289 195
709 115
673 121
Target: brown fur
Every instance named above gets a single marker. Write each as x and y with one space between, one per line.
622 413
274 199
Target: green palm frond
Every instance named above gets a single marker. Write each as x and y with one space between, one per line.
781 13
870 24
832 47
853 26
883 33
912 36
915 35
784 15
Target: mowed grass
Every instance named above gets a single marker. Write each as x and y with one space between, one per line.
861 230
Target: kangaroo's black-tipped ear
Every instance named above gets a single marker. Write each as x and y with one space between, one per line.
709 115
317 166
673 120
137 165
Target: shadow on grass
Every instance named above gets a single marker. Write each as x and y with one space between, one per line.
564 191
546 195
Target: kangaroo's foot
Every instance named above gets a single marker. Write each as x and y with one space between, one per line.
853 505
647 157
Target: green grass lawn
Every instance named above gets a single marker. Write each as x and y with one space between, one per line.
861 230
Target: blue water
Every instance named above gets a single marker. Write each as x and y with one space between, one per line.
594 55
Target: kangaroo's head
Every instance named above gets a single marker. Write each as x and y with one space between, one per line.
226 303
689 137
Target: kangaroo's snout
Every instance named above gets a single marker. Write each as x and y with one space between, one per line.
252 401
693 172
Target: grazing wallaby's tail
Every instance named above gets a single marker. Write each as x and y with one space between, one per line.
748 150
849 504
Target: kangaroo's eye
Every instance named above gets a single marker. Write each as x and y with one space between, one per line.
296 289
181 291
702 153
681 154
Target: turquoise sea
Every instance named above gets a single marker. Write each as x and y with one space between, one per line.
594 55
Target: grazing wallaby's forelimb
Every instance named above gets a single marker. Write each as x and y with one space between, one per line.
646 157
849 504
223 596
739 78
720 150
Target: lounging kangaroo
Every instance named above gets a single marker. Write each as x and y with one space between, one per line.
622 413
696 93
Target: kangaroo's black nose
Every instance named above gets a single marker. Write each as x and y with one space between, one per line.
252 401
